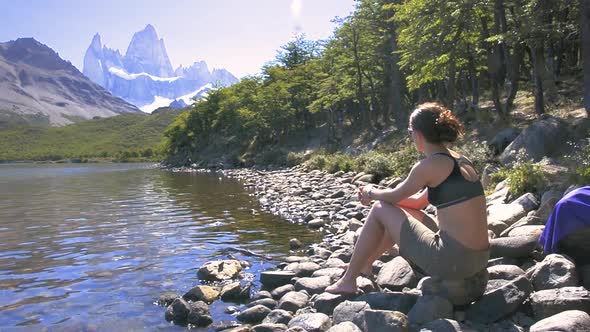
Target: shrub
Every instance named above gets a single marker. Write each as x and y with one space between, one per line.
522 178
317 161
579 162
339 162
272 157
295 158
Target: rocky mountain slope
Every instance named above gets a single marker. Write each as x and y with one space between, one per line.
144 75
38 87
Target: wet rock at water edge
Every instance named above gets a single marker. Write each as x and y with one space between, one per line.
312 322
429 308
293 301
555 271
220 270
253 315
353 311
500 302
166 298
273 279
295 244
235 291
570 320
549 302
278 316
303 269
182 312
203 293
386 321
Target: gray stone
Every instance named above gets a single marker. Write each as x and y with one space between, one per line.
570 320
235 291
293 301
344 254
386 321
177 312
303 269
353 311
395 301
253 315
501 302
317 223
496 227
334 263
326 302
503 139
199 314
269 303
444 325
528 201
219 270
165 299
507 272
549 302
345 327
429 308
333 272
458 292
502 261
527 230
322 252
506 213
261 295
397 274
312 322
515 247
542 138
278 316
278 292
269 327
585 274
555 271
495 284
313 285
274 279
295 244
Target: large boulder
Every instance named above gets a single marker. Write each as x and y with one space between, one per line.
506 272
293 301
273 279
253 315
397 274
326 302
555 271
303 269
505 213
459 291
182 312
515 247
444 325
394 301
313 285
570 320
429 308
500 302
386 321
203 293
503 139
353 311
345 327
278 316
549 302
220 270
542 138
267 327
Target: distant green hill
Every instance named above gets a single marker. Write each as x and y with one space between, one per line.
123 137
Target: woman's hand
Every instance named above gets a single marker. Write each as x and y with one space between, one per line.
363 194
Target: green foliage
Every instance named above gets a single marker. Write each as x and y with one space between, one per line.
122 137
522 178
580 163
295 158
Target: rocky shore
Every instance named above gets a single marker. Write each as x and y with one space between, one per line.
522 289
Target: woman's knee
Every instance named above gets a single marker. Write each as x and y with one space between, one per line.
385 210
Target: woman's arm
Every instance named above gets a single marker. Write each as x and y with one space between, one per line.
417 201
416 180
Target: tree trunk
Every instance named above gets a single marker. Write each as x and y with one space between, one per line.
585 44
359 80
474 81
538 60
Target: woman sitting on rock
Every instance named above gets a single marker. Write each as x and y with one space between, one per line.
454 247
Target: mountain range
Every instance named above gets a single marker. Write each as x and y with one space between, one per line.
144 75
38 87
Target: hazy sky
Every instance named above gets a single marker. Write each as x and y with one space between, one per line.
237 35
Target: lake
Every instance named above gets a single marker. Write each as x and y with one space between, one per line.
92 246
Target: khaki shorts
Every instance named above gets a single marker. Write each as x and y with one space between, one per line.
437 253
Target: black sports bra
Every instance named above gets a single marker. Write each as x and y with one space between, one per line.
454 189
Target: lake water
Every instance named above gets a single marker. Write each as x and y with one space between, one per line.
91 247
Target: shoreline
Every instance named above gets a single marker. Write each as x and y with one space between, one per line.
398 294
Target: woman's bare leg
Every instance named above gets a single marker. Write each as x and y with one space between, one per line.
382 218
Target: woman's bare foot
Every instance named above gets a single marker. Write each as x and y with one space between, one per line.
365 272
343 286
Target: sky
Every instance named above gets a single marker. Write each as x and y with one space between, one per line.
238 35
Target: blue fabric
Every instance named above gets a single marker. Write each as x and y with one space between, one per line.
571 213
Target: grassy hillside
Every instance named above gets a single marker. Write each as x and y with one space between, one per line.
122 137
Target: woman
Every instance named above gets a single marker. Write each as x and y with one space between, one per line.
457 245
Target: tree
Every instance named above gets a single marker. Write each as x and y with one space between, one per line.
585 44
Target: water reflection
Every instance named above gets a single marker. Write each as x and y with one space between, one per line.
84 246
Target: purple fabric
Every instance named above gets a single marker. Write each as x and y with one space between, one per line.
571 213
